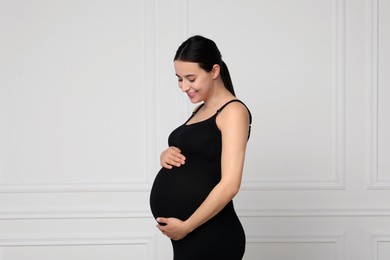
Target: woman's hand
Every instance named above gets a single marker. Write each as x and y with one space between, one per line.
172 157
173 228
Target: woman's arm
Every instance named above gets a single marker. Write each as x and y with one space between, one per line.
233 122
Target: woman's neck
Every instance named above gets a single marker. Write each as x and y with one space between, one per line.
219 95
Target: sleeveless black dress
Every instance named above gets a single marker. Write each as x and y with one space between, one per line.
179 191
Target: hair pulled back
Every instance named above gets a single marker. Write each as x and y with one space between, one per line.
205 52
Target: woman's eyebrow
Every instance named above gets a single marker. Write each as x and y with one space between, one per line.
186 76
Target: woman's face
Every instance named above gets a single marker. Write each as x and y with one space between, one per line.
195 81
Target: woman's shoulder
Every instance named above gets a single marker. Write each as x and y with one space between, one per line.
234 106
234 118
234 111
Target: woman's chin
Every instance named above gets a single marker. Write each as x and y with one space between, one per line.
195 101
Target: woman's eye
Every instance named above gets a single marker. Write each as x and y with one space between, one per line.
180 80
191 80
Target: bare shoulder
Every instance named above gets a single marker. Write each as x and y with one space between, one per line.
234 113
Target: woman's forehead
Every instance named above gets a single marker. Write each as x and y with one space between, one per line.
186 68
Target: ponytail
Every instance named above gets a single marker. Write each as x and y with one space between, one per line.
226 79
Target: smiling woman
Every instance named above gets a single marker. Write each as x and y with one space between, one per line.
192 194
195 81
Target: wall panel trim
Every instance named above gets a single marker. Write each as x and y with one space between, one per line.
374 182
79 239
148 240
315 212
337 181
150 125
150 92
77 187
74 213
374 239
128 213
339 240
182 35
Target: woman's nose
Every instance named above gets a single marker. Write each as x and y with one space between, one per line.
185 87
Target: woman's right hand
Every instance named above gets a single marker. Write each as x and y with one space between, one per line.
172 156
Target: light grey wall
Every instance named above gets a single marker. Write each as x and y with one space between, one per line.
88 98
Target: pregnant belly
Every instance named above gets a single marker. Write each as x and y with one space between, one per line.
178 192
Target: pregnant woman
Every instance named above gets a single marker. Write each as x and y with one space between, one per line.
192 194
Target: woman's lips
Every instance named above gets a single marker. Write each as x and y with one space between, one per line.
191 94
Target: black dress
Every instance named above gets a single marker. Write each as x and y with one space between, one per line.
179 191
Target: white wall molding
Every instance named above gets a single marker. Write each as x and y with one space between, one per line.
316 212
374 239
74 213
128 212
150 126
337 181
373 179
148 240
74 187
184 110
78 239
339 241
150 91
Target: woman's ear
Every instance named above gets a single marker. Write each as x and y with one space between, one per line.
216 70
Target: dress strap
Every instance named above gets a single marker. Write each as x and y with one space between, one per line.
194 112
197 109
237 100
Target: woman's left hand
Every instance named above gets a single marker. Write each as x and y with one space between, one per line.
175 229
